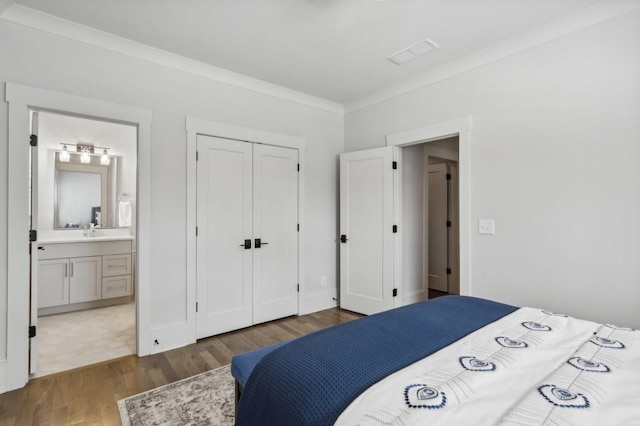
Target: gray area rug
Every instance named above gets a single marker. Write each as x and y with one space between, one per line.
205 399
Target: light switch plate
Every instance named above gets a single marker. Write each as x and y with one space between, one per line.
486 227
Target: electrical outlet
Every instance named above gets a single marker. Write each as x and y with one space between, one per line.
486 227
323 280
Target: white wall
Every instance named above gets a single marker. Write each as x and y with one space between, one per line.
41 60
554 160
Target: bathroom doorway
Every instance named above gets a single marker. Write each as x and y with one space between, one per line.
83 184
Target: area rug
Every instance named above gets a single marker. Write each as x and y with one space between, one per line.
205 399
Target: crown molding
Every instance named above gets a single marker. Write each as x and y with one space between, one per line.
599 12
61 27
584 18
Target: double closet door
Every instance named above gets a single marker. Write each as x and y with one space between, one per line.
247 243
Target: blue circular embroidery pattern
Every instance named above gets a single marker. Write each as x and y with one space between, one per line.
587 365
511 343
607 343
424 396
561 397
472 363
536 326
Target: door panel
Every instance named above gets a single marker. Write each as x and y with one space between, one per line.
275 218
53 286
366 220
224 212
85 279
438 216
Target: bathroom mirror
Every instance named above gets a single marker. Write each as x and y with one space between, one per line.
84 194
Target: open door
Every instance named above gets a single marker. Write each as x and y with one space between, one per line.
367 231
33 243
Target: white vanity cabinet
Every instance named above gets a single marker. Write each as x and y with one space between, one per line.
75 275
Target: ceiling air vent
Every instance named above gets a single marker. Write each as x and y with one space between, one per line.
412 52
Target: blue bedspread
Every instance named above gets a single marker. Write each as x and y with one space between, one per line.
311 380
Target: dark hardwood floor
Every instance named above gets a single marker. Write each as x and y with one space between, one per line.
89 395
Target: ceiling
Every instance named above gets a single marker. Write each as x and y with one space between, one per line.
332 49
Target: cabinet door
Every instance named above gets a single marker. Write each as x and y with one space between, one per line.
53 282
85 281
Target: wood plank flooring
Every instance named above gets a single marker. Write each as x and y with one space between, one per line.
89 395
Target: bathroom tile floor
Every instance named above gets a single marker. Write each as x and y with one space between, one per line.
76 339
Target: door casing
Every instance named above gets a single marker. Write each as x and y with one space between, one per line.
22 99
461 127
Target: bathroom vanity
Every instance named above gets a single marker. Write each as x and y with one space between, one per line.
84 273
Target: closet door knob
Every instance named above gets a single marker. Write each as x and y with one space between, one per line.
259 243
246 245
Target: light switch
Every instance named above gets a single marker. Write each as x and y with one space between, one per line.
486 227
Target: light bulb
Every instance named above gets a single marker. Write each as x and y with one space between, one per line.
104 159
84 157
64 156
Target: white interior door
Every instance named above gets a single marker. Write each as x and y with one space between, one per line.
33 248
275 218
224 220
366 228
438 231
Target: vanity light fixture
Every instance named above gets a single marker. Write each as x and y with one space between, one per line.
64 155
85 158
104 158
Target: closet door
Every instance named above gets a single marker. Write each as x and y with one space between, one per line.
366 228
275 221
224 220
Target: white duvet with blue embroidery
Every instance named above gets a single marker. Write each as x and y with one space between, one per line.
531 367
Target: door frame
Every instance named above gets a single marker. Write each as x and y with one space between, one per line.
462 128
22 99
195 127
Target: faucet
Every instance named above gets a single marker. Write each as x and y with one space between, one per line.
85 234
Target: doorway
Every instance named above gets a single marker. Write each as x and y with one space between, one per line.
430 220
392 181
14 373
83 197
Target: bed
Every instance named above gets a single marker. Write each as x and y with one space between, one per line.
451 360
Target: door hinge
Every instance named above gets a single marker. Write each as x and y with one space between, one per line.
448 271
196 155
32 331
395 292
33 140
448 224
33 235
448 176
196 231
298 227
298 166
395 228
394 165
298 288
196 306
